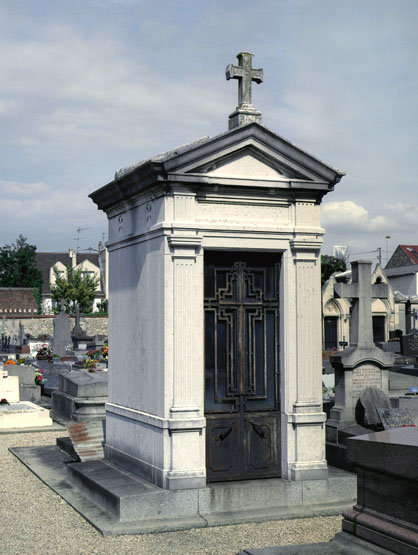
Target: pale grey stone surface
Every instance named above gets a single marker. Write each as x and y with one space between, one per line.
36 518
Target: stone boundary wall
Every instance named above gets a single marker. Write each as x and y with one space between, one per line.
44 325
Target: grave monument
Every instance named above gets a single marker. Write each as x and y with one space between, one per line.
214 339
16 413
362 365
62 335
215 316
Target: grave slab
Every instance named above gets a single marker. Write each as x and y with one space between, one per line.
23 415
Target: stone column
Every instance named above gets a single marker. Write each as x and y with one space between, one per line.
306 415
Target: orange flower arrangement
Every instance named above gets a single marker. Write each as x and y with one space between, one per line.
10 362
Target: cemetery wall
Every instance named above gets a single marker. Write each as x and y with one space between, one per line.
44 325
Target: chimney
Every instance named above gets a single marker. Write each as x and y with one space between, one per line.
73 255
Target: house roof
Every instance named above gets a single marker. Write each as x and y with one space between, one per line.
403 256
45 260
411 251
194 163
17 301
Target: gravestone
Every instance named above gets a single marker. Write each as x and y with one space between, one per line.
196 236
409 344
80 340
372 400
396 418
9 387
62 335
362 365
28 390
51 374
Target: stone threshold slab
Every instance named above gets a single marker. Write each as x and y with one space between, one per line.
341 544
116 502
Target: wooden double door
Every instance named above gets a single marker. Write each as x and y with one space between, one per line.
242 365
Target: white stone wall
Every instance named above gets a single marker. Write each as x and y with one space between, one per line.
156 332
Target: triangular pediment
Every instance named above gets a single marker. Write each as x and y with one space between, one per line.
246 166
251 154
247 156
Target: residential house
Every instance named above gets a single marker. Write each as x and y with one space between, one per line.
402 272
87 262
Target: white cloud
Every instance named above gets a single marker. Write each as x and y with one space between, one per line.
347 214
41 210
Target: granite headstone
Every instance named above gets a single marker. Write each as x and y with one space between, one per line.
62 334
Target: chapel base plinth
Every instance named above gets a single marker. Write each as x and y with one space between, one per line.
175 459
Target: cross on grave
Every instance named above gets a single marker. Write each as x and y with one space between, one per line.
361 292
77 329
245 74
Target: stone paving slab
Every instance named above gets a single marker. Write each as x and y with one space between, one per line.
50 465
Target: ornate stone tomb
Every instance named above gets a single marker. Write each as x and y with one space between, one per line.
245 192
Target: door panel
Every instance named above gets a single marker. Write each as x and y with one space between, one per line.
241 365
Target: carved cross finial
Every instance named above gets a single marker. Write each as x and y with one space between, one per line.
245 74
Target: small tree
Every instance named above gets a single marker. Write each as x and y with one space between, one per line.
18 267
329 265
74 288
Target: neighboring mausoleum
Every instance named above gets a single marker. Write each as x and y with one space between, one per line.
215 307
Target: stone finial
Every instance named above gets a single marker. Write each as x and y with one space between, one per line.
244 72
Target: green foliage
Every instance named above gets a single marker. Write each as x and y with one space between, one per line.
102 306
18 267
74 288
329 265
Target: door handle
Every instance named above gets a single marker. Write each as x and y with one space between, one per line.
225 433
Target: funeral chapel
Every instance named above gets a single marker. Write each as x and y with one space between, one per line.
215 307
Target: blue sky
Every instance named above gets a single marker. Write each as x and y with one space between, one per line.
90 86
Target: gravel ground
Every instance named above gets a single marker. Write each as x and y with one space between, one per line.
35 520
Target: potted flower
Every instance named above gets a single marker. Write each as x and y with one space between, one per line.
39 377
44 353
4 401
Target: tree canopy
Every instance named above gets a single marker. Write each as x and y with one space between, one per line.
18 265
329 265
74 287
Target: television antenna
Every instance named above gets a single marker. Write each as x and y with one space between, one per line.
79 230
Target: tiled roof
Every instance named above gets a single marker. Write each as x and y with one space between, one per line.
17 301
45 260
411 251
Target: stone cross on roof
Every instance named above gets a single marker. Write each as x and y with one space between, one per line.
244 72
362 292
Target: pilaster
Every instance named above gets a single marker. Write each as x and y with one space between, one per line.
185 401
307 418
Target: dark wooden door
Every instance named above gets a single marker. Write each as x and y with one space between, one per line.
330 332
242 365
379 328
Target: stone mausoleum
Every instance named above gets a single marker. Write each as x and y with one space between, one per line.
215 307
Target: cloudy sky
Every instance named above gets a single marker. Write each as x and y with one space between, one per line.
90 86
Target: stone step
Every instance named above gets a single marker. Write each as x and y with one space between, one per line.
126 497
